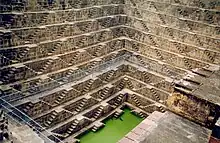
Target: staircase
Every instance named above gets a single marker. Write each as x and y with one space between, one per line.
92 65
63 30
58 45
168 71
201 4
117 44
117 114
97 51
70 72
58 136
73 61
161 18
97 126
51 118
212 59
61 97
33 88
178 47
88 86
37 84
22 55
158 54
68 75
155 94
187 63
140 60
34 35
187 24
135 47
146 77
104 93
100 37
137 102
129 83
142 115
94 129
170 33
10 73
28 107
72 127
113 56
121 84
119 100
162 109
110 75
81 105
44 19
139 15
152 40
48 63
98 112
198 40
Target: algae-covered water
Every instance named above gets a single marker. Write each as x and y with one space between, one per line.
114 129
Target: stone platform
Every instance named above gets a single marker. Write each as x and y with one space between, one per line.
167 128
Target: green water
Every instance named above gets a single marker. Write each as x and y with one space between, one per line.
114 129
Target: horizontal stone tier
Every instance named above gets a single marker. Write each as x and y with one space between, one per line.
182 61
84 61
184 36
52 48
181 49
35 86
34 5
44 83
175 61
208 16
29 20
173 21
56 32
201 4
